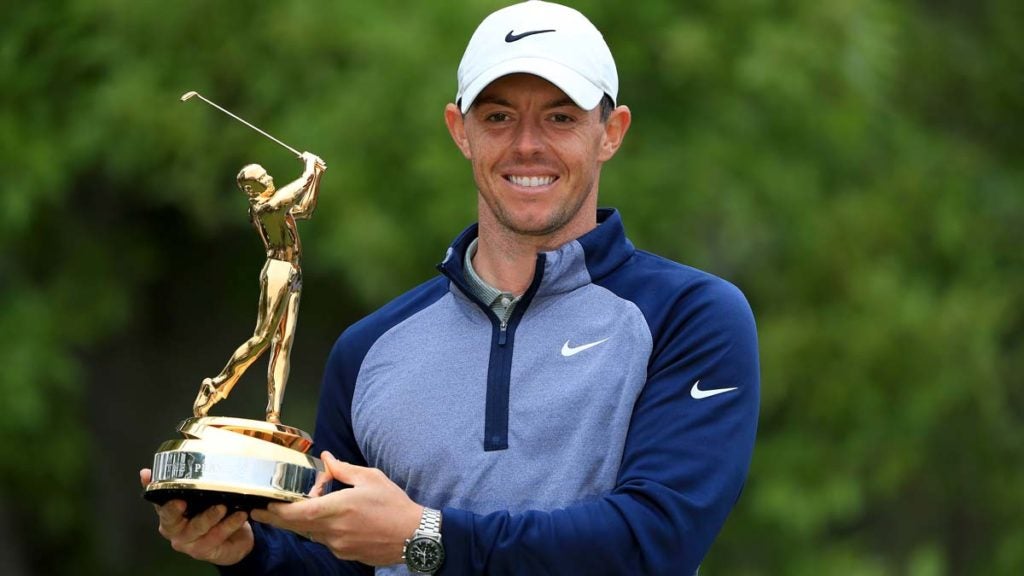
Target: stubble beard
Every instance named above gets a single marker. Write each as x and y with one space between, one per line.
556 222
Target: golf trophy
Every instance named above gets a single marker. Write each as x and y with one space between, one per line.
241 463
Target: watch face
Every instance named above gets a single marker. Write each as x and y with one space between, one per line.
424 554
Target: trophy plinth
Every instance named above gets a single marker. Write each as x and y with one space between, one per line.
243 464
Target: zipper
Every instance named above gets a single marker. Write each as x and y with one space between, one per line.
499 367
503 330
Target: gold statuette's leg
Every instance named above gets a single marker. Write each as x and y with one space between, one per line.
274 288
280 365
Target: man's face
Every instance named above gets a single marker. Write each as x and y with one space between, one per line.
536 156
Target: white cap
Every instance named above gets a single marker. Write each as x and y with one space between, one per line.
548 40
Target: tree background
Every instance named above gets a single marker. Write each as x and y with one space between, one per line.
852 165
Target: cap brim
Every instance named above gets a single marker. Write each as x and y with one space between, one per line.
583 92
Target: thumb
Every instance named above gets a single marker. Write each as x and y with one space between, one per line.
342 471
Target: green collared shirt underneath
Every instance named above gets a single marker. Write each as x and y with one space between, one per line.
501 303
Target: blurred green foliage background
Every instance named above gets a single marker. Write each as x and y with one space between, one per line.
853 165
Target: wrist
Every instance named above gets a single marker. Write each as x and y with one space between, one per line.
423 552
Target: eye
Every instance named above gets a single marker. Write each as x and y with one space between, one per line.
562 118
496 117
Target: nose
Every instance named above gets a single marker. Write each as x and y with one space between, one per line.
528 139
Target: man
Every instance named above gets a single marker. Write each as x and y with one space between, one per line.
273 214
555 402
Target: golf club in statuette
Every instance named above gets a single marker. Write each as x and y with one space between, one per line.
238 462
193 94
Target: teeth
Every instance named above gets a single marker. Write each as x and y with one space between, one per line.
531 181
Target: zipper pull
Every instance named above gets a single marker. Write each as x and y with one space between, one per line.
503 333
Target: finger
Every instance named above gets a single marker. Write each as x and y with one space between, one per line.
225 544
343 471
172 517
279 515
145 476
223 530
202 523
298 517
322 485
262 516
287 512
271 519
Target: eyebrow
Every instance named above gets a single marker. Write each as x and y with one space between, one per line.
566 101
490 99
487 99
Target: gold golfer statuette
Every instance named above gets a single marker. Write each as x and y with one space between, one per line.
273 214
238 462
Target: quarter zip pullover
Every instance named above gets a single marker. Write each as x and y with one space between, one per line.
567 441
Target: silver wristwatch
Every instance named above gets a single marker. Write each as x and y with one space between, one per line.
423 553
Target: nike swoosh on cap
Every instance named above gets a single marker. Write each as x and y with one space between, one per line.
570 350
699 394
513 37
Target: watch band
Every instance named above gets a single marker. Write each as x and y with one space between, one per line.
430 523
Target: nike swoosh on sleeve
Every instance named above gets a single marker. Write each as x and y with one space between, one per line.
697 394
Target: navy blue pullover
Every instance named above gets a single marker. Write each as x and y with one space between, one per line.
607 428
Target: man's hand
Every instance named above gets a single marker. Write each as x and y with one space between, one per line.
208 536
368 522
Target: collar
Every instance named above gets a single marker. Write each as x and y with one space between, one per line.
481 289
573 264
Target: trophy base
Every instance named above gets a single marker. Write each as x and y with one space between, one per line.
242 464
197 501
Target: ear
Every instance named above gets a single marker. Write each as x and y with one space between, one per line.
615 129
457 128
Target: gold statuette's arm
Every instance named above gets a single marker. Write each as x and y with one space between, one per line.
301 193
306 204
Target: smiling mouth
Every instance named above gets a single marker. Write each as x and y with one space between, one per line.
531 181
